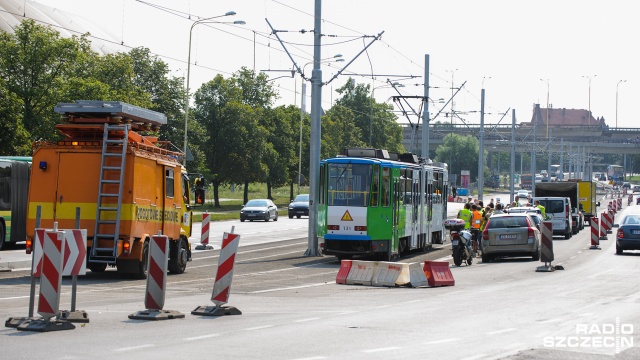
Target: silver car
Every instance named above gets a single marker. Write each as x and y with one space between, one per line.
510 235
259 209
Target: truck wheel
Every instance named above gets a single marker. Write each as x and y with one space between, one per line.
143 265
567 235
97 267
178 258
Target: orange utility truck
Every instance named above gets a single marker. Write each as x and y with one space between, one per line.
120 185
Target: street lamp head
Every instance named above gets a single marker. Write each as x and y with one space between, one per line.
337 55
339 60
239 22
229 13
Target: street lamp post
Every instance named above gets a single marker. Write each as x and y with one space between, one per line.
589 115
618 84
186 100
547 81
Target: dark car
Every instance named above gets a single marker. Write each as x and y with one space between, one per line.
628 235
259 209
299 206
513 234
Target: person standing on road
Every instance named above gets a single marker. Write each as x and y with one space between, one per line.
465 214
476 222
542 209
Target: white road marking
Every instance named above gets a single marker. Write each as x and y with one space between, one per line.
265 257
380 349
305 320
287 288
201 337
501 331
586 314
312 358
549 321
134 348
600 273
434 342
259 327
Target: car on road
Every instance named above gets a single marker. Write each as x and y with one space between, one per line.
626 185
536 213
513 234
522 194
259 209
299 206
628 234
636 188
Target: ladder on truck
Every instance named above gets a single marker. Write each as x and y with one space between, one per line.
112 166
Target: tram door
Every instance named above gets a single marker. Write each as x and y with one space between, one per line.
417 202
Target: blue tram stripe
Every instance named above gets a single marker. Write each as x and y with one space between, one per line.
346 237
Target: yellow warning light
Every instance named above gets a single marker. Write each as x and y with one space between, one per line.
74 143
346 216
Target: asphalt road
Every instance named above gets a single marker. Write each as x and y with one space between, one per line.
293 309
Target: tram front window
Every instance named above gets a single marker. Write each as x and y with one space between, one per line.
349 184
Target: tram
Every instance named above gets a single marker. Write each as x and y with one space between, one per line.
380 205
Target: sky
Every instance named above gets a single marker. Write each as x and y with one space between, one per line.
579 54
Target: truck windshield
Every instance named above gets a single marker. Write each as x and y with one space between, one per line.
349 184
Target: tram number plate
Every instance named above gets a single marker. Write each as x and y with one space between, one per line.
346 228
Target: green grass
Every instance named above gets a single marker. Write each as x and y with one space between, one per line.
231 201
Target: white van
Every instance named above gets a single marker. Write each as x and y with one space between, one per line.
559 210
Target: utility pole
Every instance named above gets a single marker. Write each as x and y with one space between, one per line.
316 128
425 114
512 170
481 150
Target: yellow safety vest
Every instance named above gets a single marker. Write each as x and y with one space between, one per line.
465 214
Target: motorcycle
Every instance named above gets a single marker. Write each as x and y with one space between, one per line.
461 242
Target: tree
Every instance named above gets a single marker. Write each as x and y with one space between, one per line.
35 61
367 113
283 140
339 131
14 139
460 153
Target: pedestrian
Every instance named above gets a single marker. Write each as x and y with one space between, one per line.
465 214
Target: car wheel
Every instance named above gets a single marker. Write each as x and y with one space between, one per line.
486 258
276 219
298 216
241 220
536 255
290 216
618 250
567 235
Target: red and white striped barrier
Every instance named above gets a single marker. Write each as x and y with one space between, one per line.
75 255
38 245
603 227
51 276
158 262
546 247
619 204
224 276
595 233
607 223
204 234
610 207
157 273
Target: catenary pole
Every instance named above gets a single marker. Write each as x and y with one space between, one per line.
481 150
316 128
425 113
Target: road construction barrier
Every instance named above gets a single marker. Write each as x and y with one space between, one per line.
610 207
546 242
603 228
204 233
156 282
343 272
224 275
607 224
619 204
390 274
595 233
75 263
361 272
417 276
438 273
53 254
